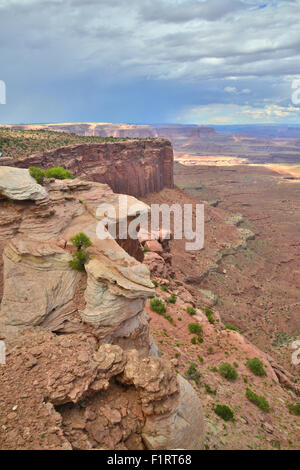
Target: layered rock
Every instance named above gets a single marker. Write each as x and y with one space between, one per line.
134 167
90 397
40 288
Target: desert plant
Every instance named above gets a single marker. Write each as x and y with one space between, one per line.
294 408
258 400
158 306
227 371
228 326
58 173
224 412
164 288
195 328
191 310
256 366
192 373
209 314
78 260
155 283
37 173
81 240
172 299
80 256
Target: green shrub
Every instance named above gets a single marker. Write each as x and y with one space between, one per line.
58 173
195 328
231 327
224 412
78 260
81 240
227 371
192 373
37 173
172 299
294 408
164 288
201 360
210 390
80 257
155 283
258 400
158 306
191 310
209 314
194 340
256 366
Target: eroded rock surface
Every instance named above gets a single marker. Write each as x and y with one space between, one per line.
76 395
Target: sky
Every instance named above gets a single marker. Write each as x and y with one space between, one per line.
150 61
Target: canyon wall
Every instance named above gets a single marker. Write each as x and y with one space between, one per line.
134 167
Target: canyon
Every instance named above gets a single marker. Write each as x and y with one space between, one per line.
126 383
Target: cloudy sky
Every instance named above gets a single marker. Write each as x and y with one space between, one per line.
150 61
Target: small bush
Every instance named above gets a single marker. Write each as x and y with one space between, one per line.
195 328
155 283
172 299
164 288
81 240
210 390
58 173
256 366
224 412
158 306
78 260
209 314
194 340
37 173
192 373
227 371
191 310
258 400
231 327
294 408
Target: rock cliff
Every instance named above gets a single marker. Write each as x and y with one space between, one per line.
80 373
134 167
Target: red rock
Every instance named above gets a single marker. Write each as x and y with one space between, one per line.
154 245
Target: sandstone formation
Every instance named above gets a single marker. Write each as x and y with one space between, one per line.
20 186
134 167
90 397
93 385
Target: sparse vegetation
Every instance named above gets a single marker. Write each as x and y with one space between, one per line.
158 306
193 374
231 327
294 408
56 172
228 371
172 299
80 256
209 314
258 400
195 328
164 288
155 283
256 366
224 412
191 310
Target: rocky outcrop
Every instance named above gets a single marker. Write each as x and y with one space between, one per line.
20 185
90 397
40 288
134 167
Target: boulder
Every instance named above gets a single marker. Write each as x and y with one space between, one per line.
18 184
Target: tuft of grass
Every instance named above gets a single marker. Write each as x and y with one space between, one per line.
164 288
256 366
231 327
294 408
227 371
209 314
192 373
191 310
158 306
224 412
258 400
155 283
